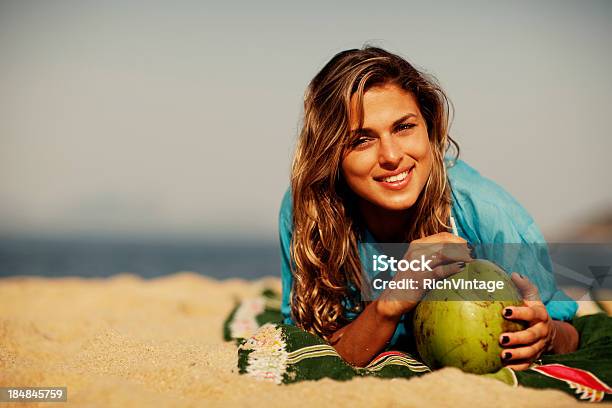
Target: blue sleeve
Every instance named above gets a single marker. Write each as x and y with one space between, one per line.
285 227
490 215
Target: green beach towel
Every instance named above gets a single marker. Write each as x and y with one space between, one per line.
284 354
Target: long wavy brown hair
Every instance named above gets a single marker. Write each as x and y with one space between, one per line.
326 224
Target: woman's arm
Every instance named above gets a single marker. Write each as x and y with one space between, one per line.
367 335
565 338
362 339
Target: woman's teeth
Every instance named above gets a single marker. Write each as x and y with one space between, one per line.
398 177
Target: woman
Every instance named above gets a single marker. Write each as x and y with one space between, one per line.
370 166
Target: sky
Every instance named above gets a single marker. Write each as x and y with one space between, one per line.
179 118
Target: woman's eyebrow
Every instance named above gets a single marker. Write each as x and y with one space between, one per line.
395 123
403 118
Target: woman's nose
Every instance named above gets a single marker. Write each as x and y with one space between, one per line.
389 154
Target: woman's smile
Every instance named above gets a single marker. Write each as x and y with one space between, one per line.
396 180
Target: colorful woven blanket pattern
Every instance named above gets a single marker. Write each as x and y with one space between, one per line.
284 354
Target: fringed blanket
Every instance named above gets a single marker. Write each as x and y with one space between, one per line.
285 354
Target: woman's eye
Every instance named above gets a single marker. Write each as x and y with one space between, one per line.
361 141
405 126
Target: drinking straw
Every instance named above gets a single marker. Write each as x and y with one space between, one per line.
454 226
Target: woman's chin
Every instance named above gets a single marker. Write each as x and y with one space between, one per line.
396 204
388 201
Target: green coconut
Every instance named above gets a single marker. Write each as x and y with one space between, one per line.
461 328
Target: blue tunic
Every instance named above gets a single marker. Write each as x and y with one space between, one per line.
484 213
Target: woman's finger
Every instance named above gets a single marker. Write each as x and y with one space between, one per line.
526 313
527 336
528 290
530 352
438 258
436 243
440 254
521 337
454 252
444 271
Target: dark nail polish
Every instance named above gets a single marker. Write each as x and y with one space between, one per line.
508 312
505 339
461 264
507 356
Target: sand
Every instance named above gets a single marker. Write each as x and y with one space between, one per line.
128 342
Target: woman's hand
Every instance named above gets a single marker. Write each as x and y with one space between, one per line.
372 330
448 254
525 346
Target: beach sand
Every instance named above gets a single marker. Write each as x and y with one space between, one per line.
128 342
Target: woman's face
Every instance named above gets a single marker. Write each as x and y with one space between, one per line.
391 160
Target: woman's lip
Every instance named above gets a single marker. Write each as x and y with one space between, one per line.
395 173
398 185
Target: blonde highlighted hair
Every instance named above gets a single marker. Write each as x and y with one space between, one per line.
326 224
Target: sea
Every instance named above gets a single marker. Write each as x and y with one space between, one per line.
97 258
